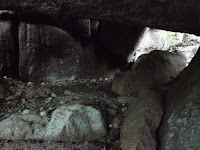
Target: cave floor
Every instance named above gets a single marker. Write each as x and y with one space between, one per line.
44 98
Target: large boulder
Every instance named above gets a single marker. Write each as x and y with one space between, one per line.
75 123
22 127
176 15
180 128
47 53
150 71
8 49
141 122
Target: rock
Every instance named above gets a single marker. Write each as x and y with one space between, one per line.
189 51
47 53
75 123
53 95
26 112
180 128
43 113
22 127
29 84
180 15
8 51
150 71
142 120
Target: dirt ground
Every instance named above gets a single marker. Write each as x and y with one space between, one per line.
44 98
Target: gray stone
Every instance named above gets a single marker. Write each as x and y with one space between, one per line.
75 123
22 127
47 53
180 128
26 112
142 120
180 15
150 71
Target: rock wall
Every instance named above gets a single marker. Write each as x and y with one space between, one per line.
39 52
8 51
174 15
47 53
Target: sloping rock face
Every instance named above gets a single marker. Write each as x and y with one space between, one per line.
180 127
142 120
47 53
76 123
8 51
180 15
150 71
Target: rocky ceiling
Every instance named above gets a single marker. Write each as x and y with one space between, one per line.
174 15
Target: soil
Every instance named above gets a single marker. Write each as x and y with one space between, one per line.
43 98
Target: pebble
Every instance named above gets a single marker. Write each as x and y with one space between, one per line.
29 84
62 102
43 113
110 126
5 77
95 97
42 84
53 95
49 99
26 112
124 109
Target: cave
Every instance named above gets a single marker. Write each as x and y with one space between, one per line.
99 75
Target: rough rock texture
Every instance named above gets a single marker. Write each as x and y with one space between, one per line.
150 71
8 50
75 123
47 53
180 15
142 120
22 127
181 124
